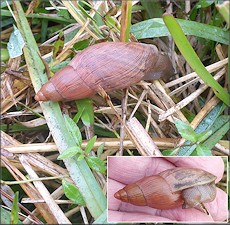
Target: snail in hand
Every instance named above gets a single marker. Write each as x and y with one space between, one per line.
172 188
110 65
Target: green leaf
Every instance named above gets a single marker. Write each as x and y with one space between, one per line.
86 107
72 193
96 164
100 150
203 150
194 152
156 28
203 136
84 12
186 131
4 55
73 129
112 23
210 118
220 122
187 150
90 144
152 8
58 45
69 152
4 4
223 9
199 9
219 129
14 213
15 44
80 45
169 152
78 115
204 125
191 57
54 69
80 157
5 216
228 195
102 219
188 114
6 22
204 3
64 13
104 132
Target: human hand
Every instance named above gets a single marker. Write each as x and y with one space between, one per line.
126 170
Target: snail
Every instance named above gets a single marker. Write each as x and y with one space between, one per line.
109 65
172 188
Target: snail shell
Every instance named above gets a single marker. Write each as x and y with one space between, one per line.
171 188
110 65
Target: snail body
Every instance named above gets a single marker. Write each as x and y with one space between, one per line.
110 65
171 188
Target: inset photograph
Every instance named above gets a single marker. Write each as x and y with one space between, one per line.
167 189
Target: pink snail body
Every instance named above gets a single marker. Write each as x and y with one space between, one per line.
110 65
171 188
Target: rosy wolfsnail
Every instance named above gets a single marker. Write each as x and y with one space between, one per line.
172 188
110 65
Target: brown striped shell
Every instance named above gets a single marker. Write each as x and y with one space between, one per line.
110 65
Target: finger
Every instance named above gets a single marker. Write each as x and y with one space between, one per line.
189 215
115 216
113 186
219 207
127 170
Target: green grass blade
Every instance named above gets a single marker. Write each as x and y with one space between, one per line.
156 28
220 127
14 213
102 219
79 171
50 17
191 57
